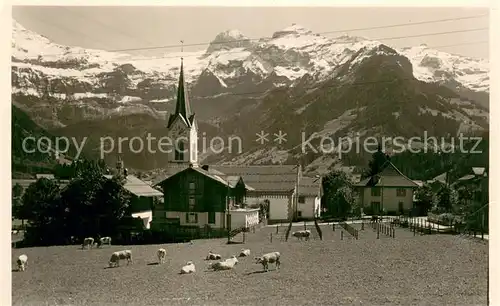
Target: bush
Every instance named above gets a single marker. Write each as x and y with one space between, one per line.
444 218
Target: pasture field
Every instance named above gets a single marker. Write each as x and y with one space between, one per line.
406 270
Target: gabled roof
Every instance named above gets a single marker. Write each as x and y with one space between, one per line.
389 177
230 181
138 187
267 178
182 106
309 186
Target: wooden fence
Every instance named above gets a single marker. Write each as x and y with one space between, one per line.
318 229
384 228
350 229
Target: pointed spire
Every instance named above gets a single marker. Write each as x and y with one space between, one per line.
182 106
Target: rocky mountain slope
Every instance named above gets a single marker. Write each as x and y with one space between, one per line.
293 81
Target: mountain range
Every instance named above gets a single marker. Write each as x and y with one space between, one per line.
294 81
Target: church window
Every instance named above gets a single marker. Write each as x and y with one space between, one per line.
179 151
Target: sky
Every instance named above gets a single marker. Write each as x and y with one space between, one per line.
121 27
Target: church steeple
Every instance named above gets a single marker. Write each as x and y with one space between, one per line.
182 107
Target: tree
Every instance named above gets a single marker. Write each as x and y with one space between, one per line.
376 164
17 192
42 207
89 205
447 200
339 195
426 198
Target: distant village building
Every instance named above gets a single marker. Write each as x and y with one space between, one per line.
144 197
200 196
389 191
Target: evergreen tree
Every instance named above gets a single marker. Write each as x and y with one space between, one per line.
376 164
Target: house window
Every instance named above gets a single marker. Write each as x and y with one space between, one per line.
192 187
179 151
302 199
400 206
375 207
375 192
192 203
191 218
401 192
211 217
299 214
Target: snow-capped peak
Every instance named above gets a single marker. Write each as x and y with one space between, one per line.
229 39
235 34
294 29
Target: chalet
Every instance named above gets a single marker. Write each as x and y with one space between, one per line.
288 192
196 197
389 191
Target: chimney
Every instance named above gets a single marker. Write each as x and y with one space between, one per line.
204 167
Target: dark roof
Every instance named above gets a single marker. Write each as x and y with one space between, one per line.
389 177
230 181
182 107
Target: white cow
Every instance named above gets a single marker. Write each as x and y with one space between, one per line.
162 253
227 264
213 256
266 259
105 240
116 256
188 268
22 262
245 253
302 234
88 242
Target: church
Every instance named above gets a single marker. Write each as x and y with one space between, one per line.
201 195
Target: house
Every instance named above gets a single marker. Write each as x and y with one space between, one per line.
144 197
196 197
279 185
389 191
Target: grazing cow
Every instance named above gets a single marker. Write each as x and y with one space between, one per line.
244 253
162 253
104 240
213 256
266 259
302 234
188 268
88 242
116 256
22 262
227 264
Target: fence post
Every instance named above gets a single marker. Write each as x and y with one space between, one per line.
341 235
333 226
393 233
378 233
305 227
271 237
277 229
243 237
362 225
414 233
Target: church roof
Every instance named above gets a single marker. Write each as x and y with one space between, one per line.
182 106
